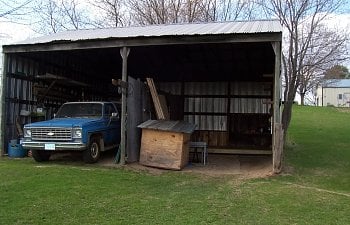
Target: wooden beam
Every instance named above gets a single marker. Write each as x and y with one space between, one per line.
124 52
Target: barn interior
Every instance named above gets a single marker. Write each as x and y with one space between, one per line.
226 89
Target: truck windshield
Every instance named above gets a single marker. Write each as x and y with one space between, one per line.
80 110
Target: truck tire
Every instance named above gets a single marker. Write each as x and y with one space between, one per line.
41 155
92 153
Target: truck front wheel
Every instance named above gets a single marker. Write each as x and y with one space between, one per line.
92 153
40 155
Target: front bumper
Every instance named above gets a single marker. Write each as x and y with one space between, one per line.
58 146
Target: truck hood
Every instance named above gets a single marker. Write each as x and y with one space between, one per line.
63 122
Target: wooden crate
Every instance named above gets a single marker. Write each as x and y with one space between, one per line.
164 149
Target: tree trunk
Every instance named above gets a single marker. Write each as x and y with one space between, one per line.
286 116
302 98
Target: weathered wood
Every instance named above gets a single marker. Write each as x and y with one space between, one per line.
239 151
124 52
277 138
161 109
277 149
163 149
120 83
3 91
164 106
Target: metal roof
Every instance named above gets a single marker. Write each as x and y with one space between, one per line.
168 125
337 83
194 29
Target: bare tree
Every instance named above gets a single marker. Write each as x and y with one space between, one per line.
54 16
189 11
111 13
229 10
326 48
294 15
12 7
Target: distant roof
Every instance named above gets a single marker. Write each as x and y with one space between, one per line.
337 83
168 125
213 28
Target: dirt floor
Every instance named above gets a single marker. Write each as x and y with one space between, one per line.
243 166
246 166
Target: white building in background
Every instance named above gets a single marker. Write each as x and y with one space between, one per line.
334 93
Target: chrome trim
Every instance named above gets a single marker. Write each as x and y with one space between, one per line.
51 133
78 146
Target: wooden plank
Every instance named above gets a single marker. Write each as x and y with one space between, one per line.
164 106
239 151
155 98
222 138
213 138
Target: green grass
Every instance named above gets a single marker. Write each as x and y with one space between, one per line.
316 191
319 147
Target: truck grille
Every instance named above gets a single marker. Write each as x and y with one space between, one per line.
51 134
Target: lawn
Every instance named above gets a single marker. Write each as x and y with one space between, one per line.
315 189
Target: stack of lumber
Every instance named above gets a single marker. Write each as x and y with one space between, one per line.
158 101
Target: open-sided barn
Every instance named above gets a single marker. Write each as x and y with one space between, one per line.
224 77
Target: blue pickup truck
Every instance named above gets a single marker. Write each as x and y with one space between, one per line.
90 127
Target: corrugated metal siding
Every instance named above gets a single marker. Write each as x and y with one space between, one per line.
206 88
211 105
249 105
214 28
219 99
207 122
18 92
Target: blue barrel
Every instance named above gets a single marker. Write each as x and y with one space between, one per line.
16 150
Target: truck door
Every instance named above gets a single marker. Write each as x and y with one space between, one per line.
112 134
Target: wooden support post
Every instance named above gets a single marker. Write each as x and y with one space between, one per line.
277 149
124 52
3 104
277 138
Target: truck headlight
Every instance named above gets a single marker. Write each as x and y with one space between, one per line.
77 133
27 132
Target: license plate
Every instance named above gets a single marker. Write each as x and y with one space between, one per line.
50 147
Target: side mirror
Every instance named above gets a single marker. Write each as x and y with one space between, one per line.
115 116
